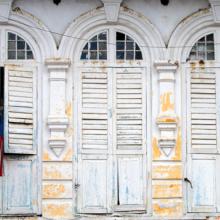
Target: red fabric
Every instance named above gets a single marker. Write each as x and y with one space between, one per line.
1 155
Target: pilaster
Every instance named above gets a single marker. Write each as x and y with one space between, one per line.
57 119
167 119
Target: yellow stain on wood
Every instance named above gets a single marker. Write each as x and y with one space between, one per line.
166 189
166 104
68 110
167 120
156 150
53 190
52 174
68 155
61 211
167 172
46 156
168 208
178 149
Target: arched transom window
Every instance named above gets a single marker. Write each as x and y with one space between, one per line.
125 47
203 49
18 48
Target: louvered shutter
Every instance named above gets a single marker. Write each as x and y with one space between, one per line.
130 138
203 131
93 159
20 110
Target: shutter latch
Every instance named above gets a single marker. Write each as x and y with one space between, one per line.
188 181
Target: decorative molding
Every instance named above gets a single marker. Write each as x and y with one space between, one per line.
57 119
5 8
112 8
215 4
167 120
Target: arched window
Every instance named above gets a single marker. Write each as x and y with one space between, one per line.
125 48
96 48
18 48
203 49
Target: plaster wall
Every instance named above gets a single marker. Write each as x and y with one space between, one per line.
165 18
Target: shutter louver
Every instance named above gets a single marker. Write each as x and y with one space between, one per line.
20 110
129 110
94 110
203 111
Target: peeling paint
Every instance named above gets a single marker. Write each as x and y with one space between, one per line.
167 171
68 155
166 104
167 120
61 211
53 190
166 189
178 150
168 207
156 150
68 110
46 156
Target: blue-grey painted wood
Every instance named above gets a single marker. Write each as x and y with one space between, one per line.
20 185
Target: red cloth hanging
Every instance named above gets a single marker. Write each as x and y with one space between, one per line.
1 155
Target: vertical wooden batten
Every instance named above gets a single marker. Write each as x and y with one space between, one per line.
57 119
167 119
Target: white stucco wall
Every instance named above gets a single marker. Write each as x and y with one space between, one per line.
165 18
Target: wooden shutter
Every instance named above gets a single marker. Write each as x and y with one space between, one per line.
130 138
20 188
203 123
20 110
93 160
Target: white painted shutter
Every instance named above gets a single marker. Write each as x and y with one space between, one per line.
93 159
203 149
130 138
20 110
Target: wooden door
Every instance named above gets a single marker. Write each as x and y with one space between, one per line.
203 158
112 140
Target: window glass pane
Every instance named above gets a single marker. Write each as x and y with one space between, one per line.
12 45
129 55
126 48
20 45
93 45
120 45
102 55
18 48
120 55
102 46
203 49
30 55
120 36
96 48
138 55
20 55
12 55
11 36
103 36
